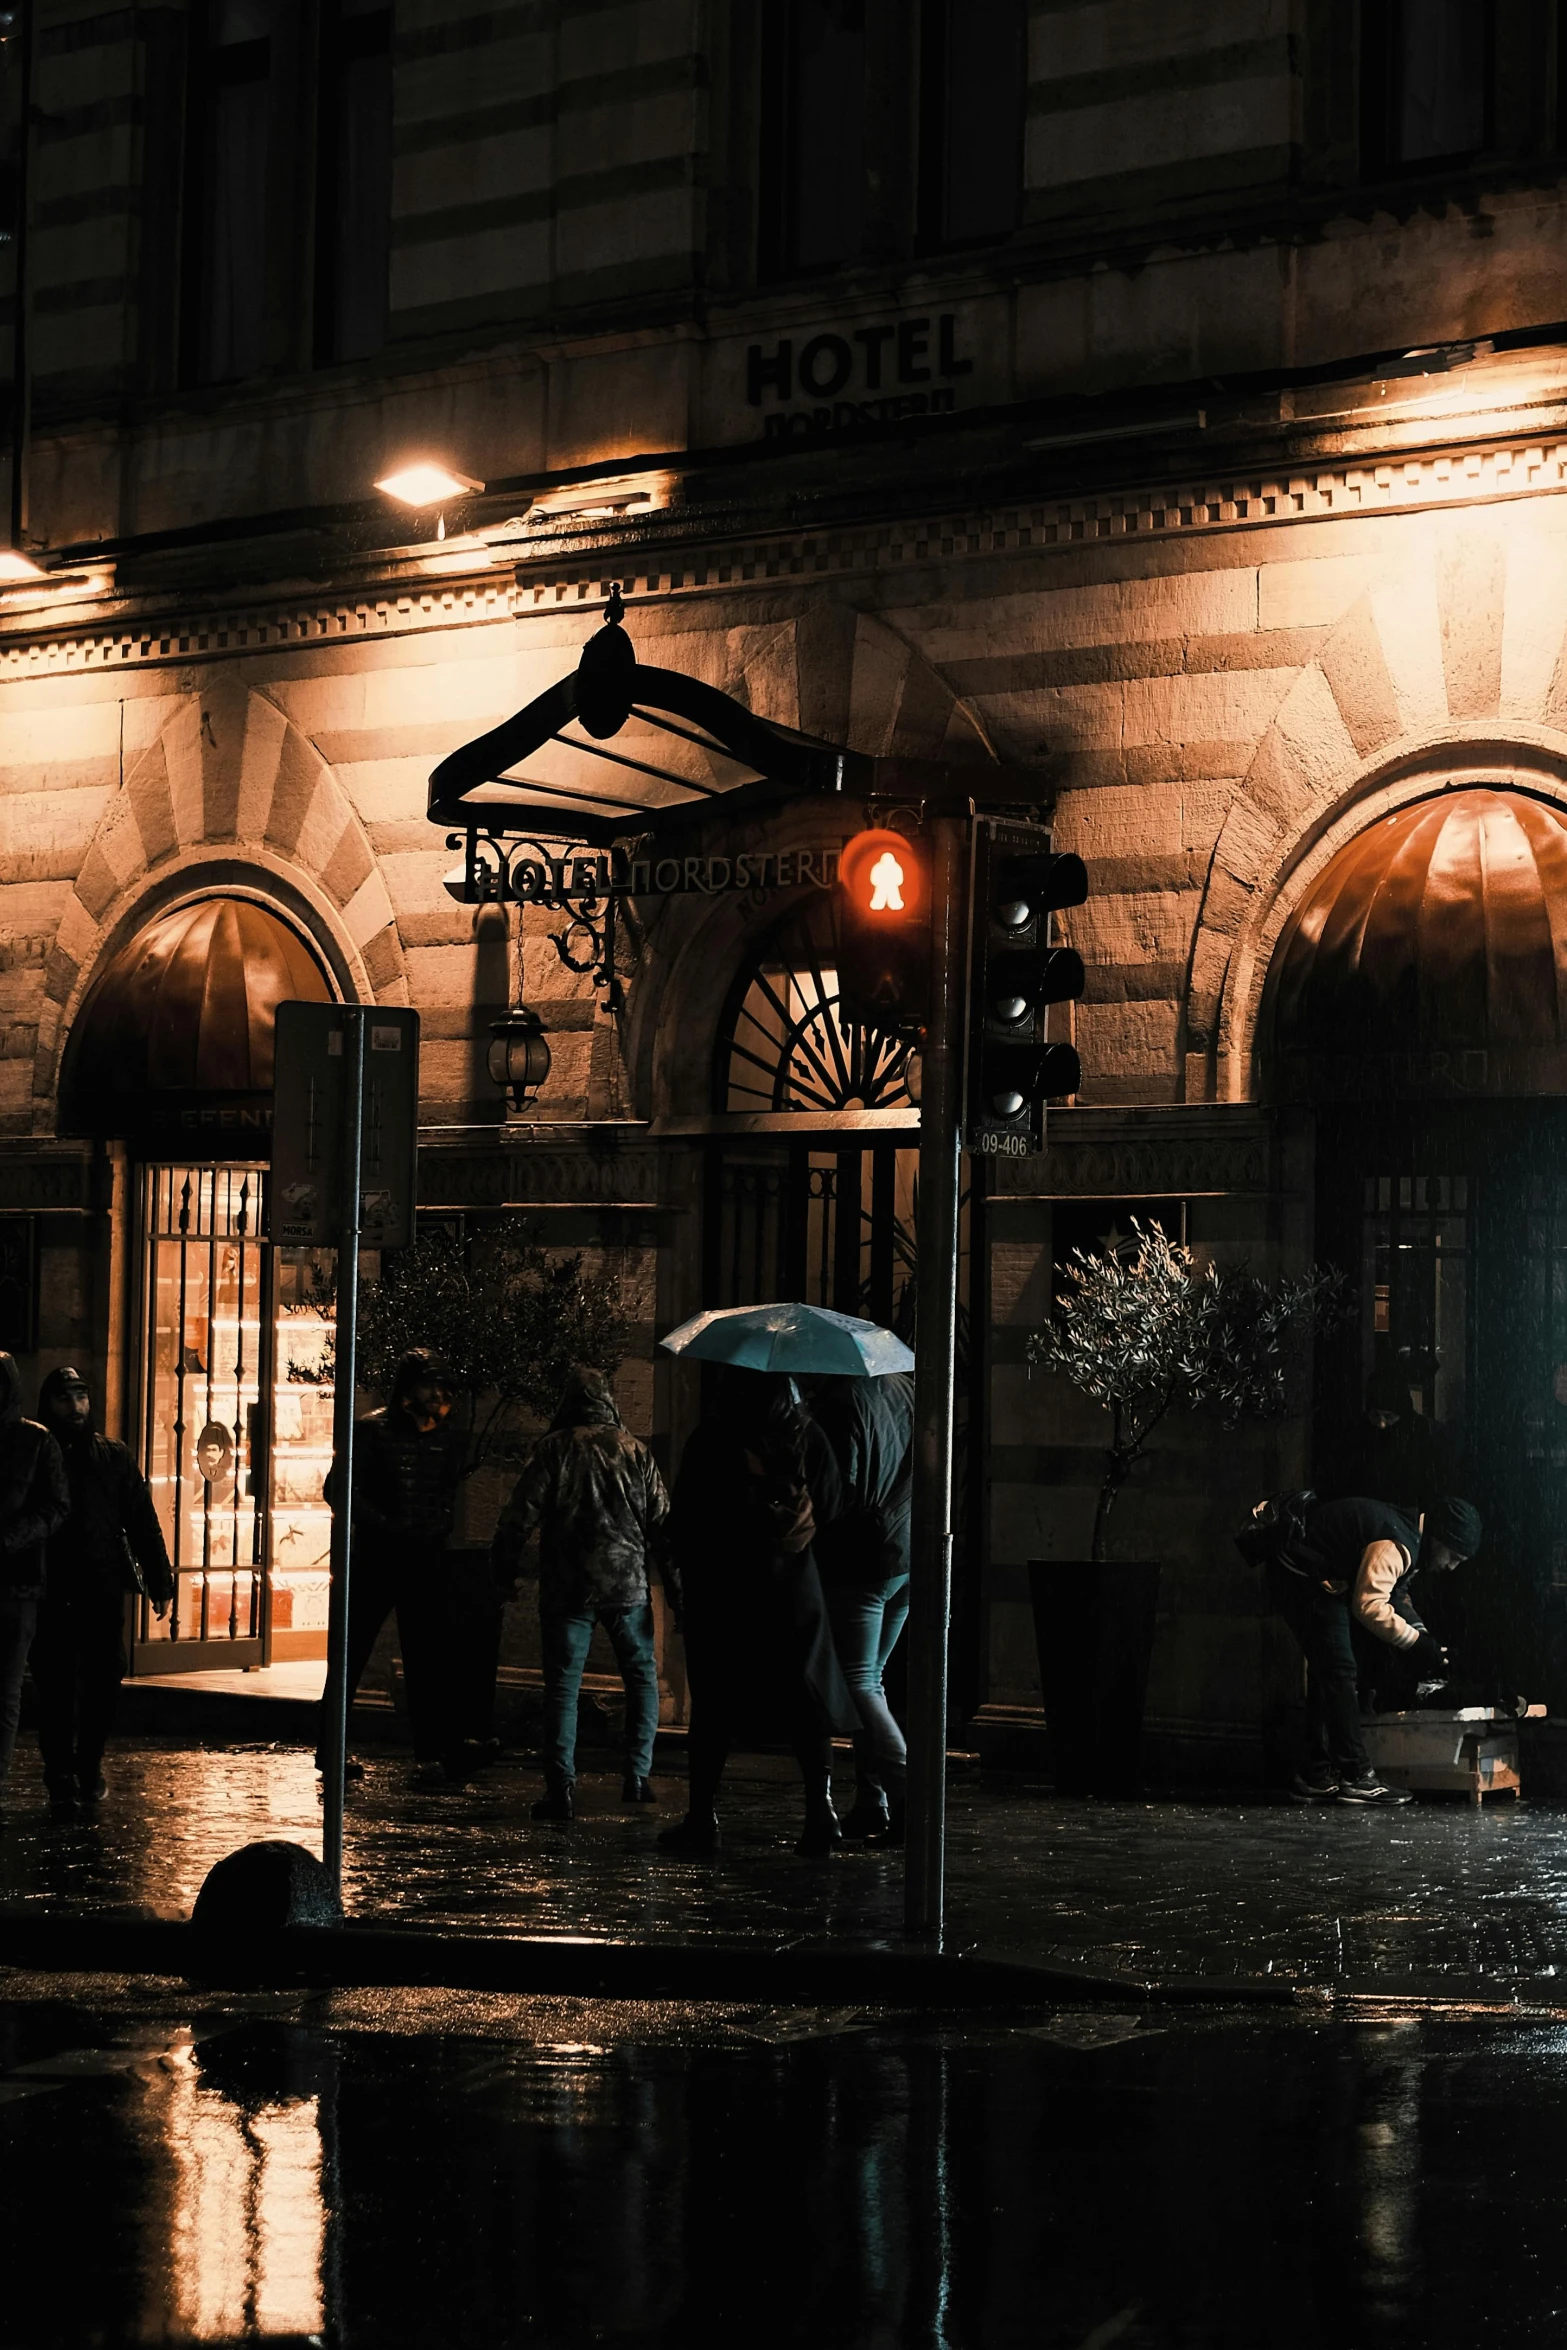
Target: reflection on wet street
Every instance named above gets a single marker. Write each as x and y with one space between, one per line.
442 2169
1243 1885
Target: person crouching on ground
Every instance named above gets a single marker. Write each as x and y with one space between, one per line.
1346 1576
593 1492
757 1481
35 1502
407 1466
110 1548
864 1560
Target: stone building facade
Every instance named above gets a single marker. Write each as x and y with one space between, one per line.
1170 402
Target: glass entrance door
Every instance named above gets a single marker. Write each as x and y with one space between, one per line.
236 1408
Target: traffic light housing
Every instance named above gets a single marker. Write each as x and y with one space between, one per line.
883 895
1016 973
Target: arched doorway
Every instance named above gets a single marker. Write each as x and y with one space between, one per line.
172 1053
825 1212
1418 1004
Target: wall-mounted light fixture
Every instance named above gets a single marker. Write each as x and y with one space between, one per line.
14 565
519 1056
427 483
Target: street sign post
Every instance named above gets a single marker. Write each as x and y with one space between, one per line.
935 1344
343 1144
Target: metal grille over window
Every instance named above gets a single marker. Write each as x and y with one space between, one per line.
787 1044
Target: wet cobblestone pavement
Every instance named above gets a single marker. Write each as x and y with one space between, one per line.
375 2170
1435 1894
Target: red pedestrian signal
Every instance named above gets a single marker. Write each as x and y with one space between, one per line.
883 899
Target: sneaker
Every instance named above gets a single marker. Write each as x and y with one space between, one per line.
635 1790
698 1837
556 1804
93 1790
63 1791
1312 1787
352 1767
1371 1791
869 1819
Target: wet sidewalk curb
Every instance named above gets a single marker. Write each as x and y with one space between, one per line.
800 1973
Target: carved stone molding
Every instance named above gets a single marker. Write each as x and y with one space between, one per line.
31 1179
1146 1154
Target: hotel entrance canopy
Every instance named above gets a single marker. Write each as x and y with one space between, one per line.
680 748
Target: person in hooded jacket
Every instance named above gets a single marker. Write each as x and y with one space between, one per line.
864 1560
407 1467
78 1659
35 1502
592 1492
757 1485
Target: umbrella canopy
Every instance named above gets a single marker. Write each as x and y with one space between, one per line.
806 1340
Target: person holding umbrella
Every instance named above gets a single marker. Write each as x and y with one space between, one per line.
758 1489
864 1558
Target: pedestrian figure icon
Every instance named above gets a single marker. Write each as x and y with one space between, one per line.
887 884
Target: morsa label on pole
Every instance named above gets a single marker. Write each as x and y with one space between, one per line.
305 1192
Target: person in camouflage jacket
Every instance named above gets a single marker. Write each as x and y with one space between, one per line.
592 1492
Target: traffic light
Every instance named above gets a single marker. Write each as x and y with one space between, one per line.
1015 974
884 930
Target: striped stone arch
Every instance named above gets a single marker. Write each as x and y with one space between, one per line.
1450 669
228 792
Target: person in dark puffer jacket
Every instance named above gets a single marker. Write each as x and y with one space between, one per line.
78 1659
407 1466
35 1502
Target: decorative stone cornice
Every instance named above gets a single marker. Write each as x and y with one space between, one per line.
692 556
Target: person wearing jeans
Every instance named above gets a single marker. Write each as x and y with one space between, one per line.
1345 1575
864 1557
592 1492
567 1638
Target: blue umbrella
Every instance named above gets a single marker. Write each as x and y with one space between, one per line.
808 1340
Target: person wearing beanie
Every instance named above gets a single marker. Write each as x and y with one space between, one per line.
1345 1577
78 1657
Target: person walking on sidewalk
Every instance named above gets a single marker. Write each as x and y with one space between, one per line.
1345 1573
593 1493
110 1547
757 1485
35 1502
407 1465
863 1556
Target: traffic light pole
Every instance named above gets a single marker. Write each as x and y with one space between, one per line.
935 1349
338 1697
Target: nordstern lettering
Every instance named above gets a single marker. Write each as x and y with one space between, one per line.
590 879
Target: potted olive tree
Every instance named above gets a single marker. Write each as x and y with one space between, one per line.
1144 1331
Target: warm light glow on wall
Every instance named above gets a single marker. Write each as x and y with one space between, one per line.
426 483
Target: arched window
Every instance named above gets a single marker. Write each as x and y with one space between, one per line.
784 1042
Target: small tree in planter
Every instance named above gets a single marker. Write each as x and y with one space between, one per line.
1149 1331
506 1318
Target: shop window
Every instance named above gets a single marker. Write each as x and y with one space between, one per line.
236 1422
354 180
227 206
973 72
813 134
1427 82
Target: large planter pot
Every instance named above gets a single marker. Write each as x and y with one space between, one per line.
1094 1627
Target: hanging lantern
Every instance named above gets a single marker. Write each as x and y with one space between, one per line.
519 1055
